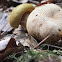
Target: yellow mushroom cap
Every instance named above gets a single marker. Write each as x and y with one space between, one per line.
18 12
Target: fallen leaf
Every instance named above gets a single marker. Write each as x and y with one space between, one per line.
7 47
3 44
23 38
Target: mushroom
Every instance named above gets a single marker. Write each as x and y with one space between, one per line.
45 20
21 11
42 21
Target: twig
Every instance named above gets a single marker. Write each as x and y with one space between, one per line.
34 2
3 27
42 41
5 32
2 34
53 46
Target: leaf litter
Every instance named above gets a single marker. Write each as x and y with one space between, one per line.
22 50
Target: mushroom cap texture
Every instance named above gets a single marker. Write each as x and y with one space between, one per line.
45 20
18 12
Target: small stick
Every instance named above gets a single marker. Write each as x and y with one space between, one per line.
3 27
2 34
34 2
5 31
53 46
42 41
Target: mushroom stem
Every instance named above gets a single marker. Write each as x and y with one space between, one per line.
24 20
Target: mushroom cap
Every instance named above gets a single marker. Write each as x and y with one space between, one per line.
45 20
18 12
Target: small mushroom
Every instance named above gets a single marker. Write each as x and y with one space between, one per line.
18 12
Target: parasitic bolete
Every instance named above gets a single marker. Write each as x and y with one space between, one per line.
42 21
19 12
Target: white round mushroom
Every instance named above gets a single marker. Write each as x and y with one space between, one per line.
45 20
